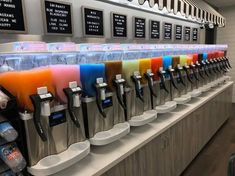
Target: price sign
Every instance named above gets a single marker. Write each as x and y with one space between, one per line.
195 34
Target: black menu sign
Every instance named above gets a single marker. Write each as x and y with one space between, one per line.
154 29
187 31
167 31
58 18
119 25
195 34
93 22
139 27
12 16
178 32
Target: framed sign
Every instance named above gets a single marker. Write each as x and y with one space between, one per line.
57 18
187 33
154 29
93 22
167 28
119 25
12 15
195 34
178 32
139 27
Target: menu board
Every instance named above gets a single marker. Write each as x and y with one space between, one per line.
167 27
139 27
119 25
12 16
187 31
93 22
154 29
195 34
178 32
58 18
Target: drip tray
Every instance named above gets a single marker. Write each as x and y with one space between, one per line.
55 163
205 88
195 93
146 117
183 99
167 107
107 137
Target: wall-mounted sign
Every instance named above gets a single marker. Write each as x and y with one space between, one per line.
154 29
57 17
195 34
93 22
187 31
139 28
178 32
119 25
12 18
167 28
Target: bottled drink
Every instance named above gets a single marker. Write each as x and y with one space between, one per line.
7 132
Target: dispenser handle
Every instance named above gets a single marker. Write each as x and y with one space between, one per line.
163 81
69 94
137 88
194 73
180 76
150 84
119 95
36 100
228 62
200 73
172 79
187 73
204 68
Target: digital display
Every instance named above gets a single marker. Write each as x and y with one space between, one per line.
93 21
12 16
58 18
119 25
107 102
57 118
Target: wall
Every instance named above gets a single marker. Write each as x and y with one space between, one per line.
35 22
227 36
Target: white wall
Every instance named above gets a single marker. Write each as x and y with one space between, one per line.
35 21
227 36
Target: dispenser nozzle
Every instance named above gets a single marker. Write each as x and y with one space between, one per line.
170 71
161 74
100 96
136 79
149 76
120 83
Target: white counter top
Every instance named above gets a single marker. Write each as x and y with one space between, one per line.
101 159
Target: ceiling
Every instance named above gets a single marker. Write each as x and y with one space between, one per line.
221 3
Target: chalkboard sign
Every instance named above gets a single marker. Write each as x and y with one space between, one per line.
178 32
57 18
93 22
187 31
167 28
154 29
195 34
12 17
139 28
119 25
